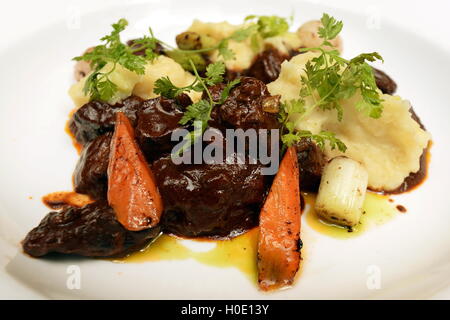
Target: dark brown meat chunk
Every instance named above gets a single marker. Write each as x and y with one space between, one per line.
90 176
244 106
91 231
267 65
311 161
96 118
384 82
157 119
209 200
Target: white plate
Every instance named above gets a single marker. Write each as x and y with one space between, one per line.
411 252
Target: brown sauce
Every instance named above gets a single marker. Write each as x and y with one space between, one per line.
75 143
58 200
415 179
401 208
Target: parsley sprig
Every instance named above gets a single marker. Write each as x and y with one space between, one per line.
198 113
98 84
214 74
291 135
328 80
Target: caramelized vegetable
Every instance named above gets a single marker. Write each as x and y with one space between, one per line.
132 191
342 192
279 239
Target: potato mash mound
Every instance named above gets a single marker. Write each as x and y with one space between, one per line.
244 53
389 147
129 82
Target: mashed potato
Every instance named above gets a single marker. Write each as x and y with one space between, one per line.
389 147
244 53
129 83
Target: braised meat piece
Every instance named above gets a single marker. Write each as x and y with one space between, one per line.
384 82
244 106
209 199
311 161
91 231
267 65
90 176
157 119
96 118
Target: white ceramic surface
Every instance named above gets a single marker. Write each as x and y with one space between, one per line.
37 157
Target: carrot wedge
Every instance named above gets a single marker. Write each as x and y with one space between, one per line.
279 223
132 191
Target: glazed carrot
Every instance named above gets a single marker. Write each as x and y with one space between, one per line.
279 224
132 191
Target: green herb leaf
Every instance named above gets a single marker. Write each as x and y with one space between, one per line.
334 78
197 111
269 26
331 27
106 89
290 134
214 75
328 80
242 34
224 51
226 91
98 85
165 87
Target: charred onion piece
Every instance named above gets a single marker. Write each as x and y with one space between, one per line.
342 191
132 191
279 239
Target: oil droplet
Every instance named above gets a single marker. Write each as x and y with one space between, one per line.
239 252
377 210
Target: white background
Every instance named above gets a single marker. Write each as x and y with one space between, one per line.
428 18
